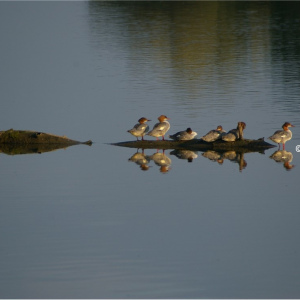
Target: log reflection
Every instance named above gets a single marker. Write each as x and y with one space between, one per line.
11 149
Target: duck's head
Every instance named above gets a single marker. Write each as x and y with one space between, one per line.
242 124
286 125
189 130
143 120
162 118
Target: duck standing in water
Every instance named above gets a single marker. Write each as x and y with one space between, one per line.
282 136
140 129
235 134
186 135
160 129
214 134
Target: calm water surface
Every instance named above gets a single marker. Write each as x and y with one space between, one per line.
88 222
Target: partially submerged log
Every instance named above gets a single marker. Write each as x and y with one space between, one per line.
25 141
22 137
198 144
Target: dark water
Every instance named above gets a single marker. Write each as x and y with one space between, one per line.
86 222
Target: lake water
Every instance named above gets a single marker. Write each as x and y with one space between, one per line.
86 222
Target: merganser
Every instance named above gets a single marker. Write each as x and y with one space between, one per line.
234 134
282 136
214 134
140 129
160 129
188 134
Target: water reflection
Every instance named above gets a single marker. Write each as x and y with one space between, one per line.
236 157
213 156
206 45
164 162
233 156
141 160
12 149
284 157
160 159
185 154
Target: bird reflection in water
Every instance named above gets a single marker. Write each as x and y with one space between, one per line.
185 154
233 156
236 157
164 162
141 160
161 160
285 157
213 156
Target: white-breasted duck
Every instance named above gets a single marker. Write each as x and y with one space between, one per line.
282 136
214 134
161 128
234 134
140 129
185 135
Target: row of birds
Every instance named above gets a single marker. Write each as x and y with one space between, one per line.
160 129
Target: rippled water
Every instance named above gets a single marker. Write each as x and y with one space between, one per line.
89 222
